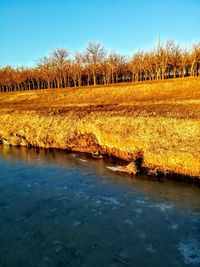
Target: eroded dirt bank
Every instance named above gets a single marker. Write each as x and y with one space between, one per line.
162 132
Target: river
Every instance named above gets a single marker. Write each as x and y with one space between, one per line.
59 209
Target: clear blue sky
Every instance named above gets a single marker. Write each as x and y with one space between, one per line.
30 29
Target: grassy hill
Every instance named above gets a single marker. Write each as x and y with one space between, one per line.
158 122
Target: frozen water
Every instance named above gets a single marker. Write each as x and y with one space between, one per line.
57 212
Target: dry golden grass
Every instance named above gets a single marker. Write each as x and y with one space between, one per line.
158 120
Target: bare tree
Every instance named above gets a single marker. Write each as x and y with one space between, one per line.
94 55
59 60
195 60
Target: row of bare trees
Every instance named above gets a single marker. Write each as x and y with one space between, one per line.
96 66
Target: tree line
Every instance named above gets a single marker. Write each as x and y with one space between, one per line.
96 66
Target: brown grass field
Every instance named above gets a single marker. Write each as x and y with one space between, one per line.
156 121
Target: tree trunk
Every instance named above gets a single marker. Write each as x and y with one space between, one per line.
174 73
113 79
133 76
79 80
88 79
94 79
48 84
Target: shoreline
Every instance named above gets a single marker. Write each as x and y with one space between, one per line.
118 163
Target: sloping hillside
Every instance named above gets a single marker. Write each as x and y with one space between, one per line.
158 122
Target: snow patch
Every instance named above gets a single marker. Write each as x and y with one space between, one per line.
190 251
150 248
138 211
174 226
114 168
162 207
129 222
83 160
111 200
77 223
140 201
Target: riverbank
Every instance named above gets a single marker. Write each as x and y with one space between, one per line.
155 123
